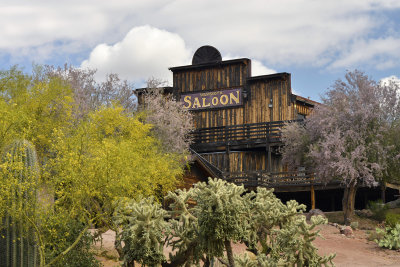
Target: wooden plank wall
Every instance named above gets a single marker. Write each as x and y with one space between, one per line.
215 78
261 92
256 106
243 161
302 108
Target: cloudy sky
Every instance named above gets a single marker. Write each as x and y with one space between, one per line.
315 41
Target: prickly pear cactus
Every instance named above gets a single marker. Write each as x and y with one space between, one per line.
21 168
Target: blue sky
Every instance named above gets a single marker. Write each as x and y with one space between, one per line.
316 41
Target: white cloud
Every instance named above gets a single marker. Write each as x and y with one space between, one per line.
257 68
284 33
143 53
384 53
390 79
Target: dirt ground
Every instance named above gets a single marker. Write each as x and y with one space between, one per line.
350 251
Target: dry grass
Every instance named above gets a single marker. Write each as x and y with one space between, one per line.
363 222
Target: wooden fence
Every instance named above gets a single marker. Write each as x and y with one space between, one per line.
271 179
269 131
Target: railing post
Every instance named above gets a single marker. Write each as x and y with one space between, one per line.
226 135
227 160
312 197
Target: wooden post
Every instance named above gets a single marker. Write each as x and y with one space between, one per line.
227 162
312 197
383 192
269 159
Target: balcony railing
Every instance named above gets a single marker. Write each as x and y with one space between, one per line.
271 179
265 131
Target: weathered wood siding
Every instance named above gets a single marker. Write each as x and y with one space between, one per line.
240 161
265 98
256 104
302 108
266 92
216 77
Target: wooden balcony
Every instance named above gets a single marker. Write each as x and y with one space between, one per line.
270 179
243 134
280 181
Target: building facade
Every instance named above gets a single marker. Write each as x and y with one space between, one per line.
238 118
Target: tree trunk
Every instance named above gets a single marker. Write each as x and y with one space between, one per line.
348 202
229 253
383 190
181 258
207 262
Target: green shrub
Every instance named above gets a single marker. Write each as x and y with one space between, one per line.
379 210
60 234
373 235
354 225
392 219
391 237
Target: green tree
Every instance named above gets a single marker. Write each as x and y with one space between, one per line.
87 160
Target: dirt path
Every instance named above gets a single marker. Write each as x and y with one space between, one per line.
353 251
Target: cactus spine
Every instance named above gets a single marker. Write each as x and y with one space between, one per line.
17 237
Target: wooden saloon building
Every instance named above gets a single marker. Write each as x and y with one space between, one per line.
237 120
237 137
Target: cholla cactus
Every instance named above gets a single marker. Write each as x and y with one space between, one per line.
207 218
143 229
19 175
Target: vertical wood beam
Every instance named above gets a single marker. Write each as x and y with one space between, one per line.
312 197
227 161
269 158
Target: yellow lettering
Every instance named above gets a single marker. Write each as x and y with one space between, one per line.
234 98
187 99
214 101
204 103
196 103
224 99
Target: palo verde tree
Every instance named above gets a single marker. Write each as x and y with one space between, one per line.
89 156
345 138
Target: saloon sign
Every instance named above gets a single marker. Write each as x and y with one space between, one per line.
212 99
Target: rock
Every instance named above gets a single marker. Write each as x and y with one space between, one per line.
346 230
393 204
364 213
315 212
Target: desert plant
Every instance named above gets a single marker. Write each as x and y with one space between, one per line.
143 229
392 219
354 225
378 209
19 171
352 138
391 237
223 213
59 234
